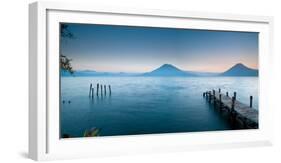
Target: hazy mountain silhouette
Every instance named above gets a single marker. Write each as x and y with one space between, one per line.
240 70
168 70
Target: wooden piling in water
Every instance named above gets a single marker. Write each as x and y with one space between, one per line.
234 95
92 92
227 94
219 90
90 89
209 96
232 103
105 90
101 89
251 101
109 87
232 114
220 102
98 89
214 97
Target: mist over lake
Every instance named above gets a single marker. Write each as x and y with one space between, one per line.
148 105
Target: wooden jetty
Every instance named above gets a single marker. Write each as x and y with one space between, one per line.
241 116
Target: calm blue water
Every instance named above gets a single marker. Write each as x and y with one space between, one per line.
147 105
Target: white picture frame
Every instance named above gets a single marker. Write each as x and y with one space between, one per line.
44 141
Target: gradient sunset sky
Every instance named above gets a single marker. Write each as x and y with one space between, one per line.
109 48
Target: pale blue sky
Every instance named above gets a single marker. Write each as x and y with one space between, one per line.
141 49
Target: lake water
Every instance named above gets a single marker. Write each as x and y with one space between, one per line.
148 105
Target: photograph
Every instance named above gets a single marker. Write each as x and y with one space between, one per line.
120 80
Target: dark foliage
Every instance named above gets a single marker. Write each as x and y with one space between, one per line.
65 64
64 61
65 32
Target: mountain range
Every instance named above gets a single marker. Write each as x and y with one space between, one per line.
169 70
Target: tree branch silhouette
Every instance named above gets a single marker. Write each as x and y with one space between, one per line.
65 62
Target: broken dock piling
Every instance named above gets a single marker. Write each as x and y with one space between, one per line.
241 116
100 89
92 92
90 89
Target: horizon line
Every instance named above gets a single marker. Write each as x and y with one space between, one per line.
197 71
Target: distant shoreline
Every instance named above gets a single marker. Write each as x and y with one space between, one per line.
169 70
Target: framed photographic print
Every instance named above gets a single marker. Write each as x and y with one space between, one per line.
110 81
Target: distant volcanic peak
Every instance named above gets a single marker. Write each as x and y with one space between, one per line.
240 65
240 70
169 66
168 70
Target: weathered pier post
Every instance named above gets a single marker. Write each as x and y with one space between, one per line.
220 102
209 96
98 89
203 94
234 95
105 90
227 94
90 89
232 103
232 112
101 89
214 97
92 92
219 90
109 87
251 101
